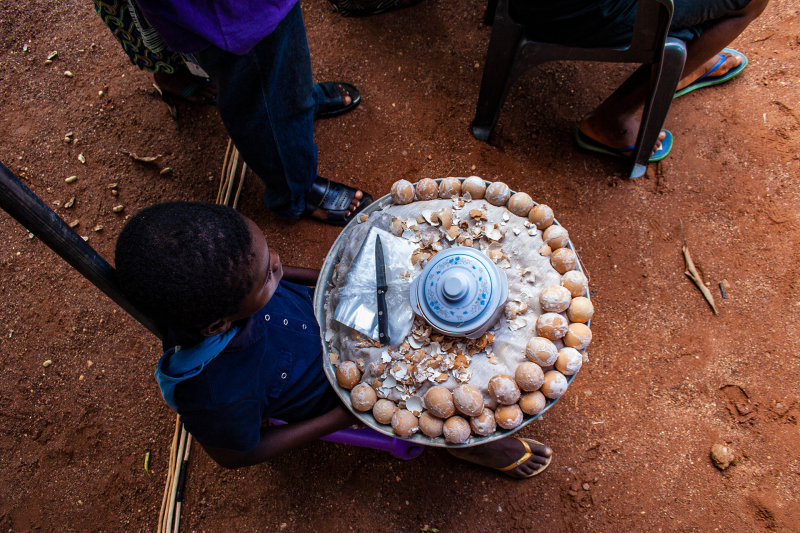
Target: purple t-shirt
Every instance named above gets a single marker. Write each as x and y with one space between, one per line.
189 26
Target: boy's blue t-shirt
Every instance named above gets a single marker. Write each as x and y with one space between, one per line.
271 369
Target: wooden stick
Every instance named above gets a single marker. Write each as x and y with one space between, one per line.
172 451
174 489
224 167
181 483
691 271
232 176
241 184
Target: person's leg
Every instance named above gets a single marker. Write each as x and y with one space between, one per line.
502 453
168 68
615 122
265 99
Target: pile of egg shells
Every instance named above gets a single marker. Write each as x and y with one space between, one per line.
459 414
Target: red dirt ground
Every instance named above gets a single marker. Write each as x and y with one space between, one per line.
666 380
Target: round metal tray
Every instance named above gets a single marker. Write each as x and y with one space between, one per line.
324 283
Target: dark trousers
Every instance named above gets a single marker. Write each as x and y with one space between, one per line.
266 99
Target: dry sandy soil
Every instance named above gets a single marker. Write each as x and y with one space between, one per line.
667 379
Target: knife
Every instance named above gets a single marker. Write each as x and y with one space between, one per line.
380 277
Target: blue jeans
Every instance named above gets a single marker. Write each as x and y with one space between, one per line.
266 99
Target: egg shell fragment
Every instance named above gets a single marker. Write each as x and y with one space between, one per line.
439 401
532 403
468 399
541 216
347 374
552 326
474 186
427 189
508 416
483 424
404 423
541 351
529 376
430 425
363 397
456 430
402 192
503 389
555 384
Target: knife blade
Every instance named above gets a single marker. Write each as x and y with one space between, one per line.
382 287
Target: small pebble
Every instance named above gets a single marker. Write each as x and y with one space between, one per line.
118 208
74 223
98 227
67 73
100 93
71 179
82 159
47 363
585 486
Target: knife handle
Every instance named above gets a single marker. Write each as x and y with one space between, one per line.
383 319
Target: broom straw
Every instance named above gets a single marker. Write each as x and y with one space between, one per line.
172 451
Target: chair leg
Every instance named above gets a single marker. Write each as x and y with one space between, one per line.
497 78
663 82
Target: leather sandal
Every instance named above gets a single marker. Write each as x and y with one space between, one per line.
333 104
335 198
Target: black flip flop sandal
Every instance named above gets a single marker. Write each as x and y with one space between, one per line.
334 198
333 105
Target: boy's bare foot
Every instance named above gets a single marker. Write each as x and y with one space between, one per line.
731 62
322 214
615 132
175 84
501 453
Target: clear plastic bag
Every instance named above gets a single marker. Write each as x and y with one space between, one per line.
358 301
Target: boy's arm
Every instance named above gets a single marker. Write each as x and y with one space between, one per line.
301 276
276 440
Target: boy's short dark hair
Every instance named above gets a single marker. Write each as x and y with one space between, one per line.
185 264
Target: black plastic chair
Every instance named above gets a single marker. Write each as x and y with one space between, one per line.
512 52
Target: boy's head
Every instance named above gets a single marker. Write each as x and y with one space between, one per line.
195 266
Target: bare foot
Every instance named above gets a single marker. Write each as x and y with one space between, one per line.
322 214
175 84
503 452
731 62
617 133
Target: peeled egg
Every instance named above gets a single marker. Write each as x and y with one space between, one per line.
468 399
575 282
569 361
504 389
541 351
439 401
555 384
430 425
564 260
541 215
484 424
532 403
456 430
508 416
529 376
552 326
347 374
404 423
578 336
402 192
363 397
383 410
498 193
427 189
580 309
450 188
555 237
520 204
555 299
475 186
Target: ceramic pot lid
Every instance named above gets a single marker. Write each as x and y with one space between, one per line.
459 289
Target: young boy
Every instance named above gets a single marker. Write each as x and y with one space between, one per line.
243 345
